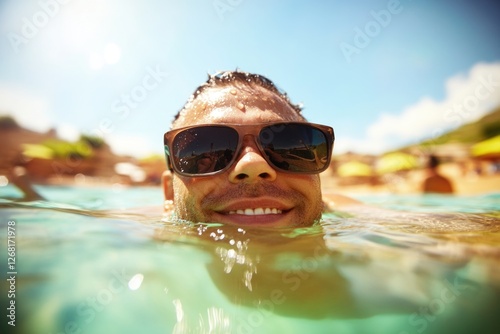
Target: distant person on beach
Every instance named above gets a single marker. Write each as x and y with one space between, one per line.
435 182
268 156
20 178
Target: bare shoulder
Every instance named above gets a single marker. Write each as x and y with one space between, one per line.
149 211
341 203
334 201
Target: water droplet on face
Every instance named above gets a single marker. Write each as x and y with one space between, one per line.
233 91
240 106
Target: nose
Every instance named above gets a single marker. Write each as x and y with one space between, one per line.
251 166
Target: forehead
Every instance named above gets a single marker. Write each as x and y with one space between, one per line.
239 105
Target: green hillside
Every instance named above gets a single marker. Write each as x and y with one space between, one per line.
486 127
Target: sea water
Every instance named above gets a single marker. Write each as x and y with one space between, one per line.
83 262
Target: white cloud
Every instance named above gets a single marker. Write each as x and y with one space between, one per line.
112 53
30 111
359 145
136 146
68 132
468 97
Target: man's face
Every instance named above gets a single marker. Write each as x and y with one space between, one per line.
250 192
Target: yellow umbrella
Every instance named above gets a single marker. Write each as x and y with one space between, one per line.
354 168
37 151
395 162
487 148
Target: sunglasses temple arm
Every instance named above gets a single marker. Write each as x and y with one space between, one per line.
167 158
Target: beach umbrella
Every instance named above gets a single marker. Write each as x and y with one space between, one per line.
489 148
354 168
395 162
37 151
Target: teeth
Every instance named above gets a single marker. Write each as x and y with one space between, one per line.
256 211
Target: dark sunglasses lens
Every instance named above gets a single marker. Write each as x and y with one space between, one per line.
204 150
295 147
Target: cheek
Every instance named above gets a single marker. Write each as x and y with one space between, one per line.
192 190
307 184
185 199
310 188
182 189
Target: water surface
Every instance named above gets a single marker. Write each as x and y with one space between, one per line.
86 263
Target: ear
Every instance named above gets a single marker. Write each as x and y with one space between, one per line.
168 189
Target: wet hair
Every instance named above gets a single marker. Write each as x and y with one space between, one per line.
433 161
238 78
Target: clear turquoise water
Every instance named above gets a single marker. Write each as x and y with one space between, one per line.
86 264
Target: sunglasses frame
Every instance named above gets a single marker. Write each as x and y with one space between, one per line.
244 130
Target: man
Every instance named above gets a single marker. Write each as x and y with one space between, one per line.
264 158
435 182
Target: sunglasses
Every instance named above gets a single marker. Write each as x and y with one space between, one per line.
205 150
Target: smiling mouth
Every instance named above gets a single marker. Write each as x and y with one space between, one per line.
256 212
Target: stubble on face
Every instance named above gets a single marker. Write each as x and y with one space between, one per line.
196 198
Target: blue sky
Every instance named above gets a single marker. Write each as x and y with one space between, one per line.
382 73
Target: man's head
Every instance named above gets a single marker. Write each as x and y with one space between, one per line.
433 162
255 164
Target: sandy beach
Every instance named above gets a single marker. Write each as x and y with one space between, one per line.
411 184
